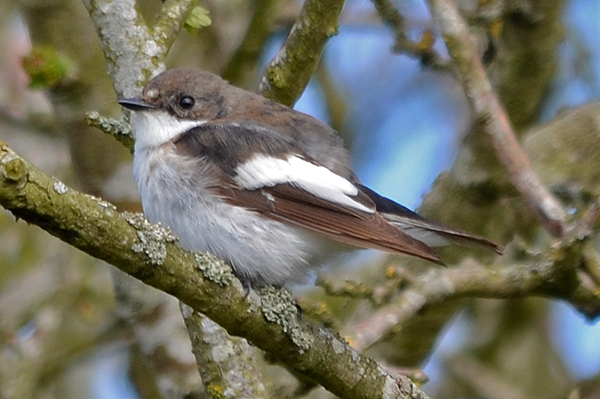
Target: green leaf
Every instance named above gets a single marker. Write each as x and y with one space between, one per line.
199 18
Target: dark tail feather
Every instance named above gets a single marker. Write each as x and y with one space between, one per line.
427 231
435 234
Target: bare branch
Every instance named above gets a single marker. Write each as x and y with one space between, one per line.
128 46
228 365
133 52
488 110
423 50
170 21
554 274
117 128
289 72
486 381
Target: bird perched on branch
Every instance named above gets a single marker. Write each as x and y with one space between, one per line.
267 188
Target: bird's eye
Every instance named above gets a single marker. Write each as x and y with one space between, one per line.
186 102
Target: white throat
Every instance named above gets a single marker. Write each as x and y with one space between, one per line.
153 128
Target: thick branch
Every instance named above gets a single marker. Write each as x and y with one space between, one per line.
127 43
133 52
289 72
488 110
206 284
228 365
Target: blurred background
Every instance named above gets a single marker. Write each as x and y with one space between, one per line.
66 329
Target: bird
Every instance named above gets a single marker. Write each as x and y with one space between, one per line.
269 189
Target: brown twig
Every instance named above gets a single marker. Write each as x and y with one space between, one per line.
488 110
482 378
423 49
555 274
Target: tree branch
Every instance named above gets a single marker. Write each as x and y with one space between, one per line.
117 128
488 110
228 366
555 274
148 253
133 52
423 50
169 22
128 46
289 72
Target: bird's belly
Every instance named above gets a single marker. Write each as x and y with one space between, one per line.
261 251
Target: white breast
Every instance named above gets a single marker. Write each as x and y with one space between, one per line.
173 191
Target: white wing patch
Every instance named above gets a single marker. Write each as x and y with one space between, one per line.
266 171
156 127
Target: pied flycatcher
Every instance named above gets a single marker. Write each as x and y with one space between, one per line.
267 188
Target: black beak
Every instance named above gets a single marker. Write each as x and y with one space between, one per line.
135 104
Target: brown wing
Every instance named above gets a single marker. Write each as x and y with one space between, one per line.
295 206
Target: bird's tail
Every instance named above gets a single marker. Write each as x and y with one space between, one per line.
429 232
436 234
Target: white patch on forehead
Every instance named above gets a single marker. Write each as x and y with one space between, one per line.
267 171
156 127
152 94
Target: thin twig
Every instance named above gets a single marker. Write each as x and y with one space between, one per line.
483 379
169 22
554 274
117 128
488 110
422 50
